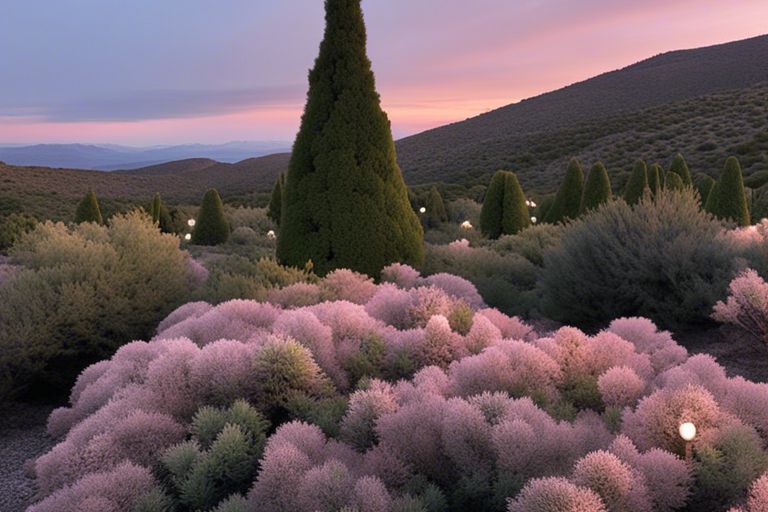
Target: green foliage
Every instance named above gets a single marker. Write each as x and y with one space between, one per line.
154 501
655 173
283 367
345 204
680 167
531 243
276 200
663 259
567 202
637 184
672 181
460 318
82 293
597 190
212 227
366 363
326 413
13 226
756 180
711 205
703 184
731 201
504 210
88 210
436 212
220 459
160 215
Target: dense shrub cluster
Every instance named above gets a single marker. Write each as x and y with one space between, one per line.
747 305
382 403
664 258
81 292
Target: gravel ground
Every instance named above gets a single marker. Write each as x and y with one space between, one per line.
22 437
738 352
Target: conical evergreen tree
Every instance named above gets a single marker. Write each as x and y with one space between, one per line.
703 184
731 200
711 204
655 173
276 201
568 199
637 184
680 168
345 204
672 181
436 212
504 211
155 210
212 227
160 215
88 210
597 189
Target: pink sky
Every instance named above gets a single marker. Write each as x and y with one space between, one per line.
436 62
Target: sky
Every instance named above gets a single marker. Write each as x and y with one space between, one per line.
147 72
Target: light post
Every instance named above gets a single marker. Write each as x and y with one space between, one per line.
422 210
688 433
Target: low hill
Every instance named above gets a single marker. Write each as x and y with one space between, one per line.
711 98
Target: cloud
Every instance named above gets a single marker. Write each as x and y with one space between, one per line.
161 104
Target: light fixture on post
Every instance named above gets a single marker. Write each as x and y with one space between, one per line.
188 237
191 223
688 433
466 225
422 210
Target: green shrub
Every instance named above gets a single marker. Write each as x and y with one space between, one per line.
212 227
637 184
703 184
597 189
436 212
661 259
680 167
655 172
345 204
13 226
82 293
88 210
567 202
504 210
161 216
672 181
530 243
731 201
276 200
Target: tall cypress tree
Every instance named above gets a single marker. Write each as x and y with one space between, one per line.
504 211
655 173
731 199
212 227
680 168
160 214
276 201
597 189
703 184
673 181
711 204
637 184
88 210
345 204
436 212
568 199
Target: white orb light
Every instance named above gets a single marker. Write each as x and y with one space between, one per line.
533 205
188 237
422 210
271 234
466 225
534 220
688 431
191 223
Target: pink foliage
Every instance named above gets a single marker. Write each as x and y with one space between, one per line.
510 327
325 488
295 295
668 479
482 334
364 409
758 495
391 305
197 274
441 345
747 305
659 345
118 489
188 310
617 484
620 386
457 287
748 401
222 372
282 470
466 437
555 494
370 495
344 284
401 275
429 302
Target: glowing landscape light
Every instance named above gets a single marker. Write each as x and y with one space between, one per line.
688 431
271 234
422 210
188 237
466 225
191 223
534 220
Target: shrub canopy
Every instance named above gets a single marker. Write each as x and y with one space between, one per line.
731 200
637 184
212 227
568 199
276 200
680 167
345 204
597 190
504 210
88 210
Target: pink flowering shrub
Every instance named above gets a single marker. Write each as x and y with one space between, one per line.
344 284
403 276
550 494
620 386
758 496
747 305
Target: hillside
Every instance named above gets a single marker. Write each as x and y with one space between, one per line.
712 98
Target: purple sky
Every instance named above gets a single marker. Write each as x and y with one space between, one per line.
176 71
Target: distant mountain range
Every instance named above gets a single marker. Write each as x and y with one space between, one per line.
708 103
108 157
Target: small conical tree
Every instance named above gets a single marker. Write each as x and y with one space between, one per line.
212 227
672 181
637 184
568 199
711 204
88 210
597 189
504 211
703 184
345 204
276 201
731 199
160 215
655 173
155 210
680 168
436 212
